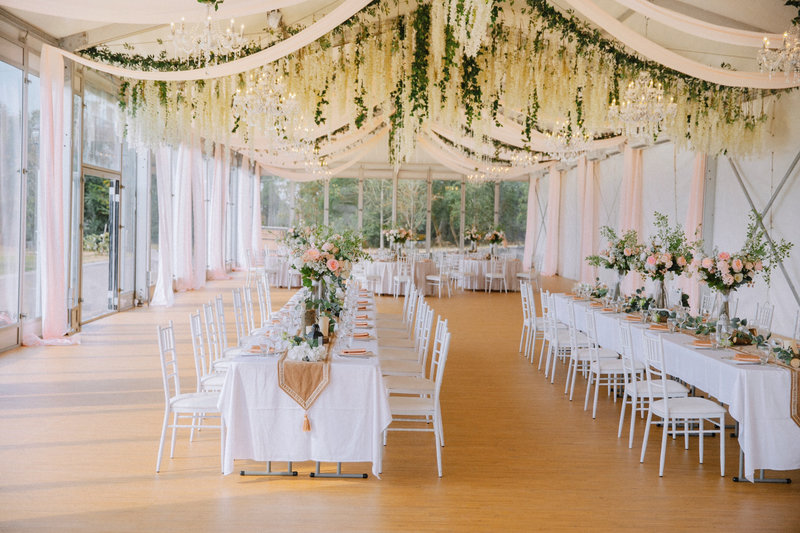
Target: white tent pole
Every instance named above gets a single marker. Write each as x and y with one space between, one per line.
463 217
360 197
394 195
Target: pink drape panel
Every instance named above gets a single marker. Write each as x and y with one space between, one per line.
630 208
163 294
586 201
255 236
244 218
550 263
182 264
532 224
51 256
694 220
219 198
199 236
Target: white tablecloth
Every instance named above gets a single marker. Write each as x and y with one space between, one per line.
388 269
757 396
479 267
347 420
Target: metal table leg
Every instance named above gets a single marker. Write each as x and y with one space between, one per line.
269 472
316 473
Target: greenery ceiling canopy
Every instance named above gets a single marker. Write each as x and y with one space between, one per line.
422 62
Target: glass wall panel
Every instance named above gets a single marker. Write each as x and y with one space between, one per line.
343 204
127 231
377 210
309 203
445 213
514 210
31 305
479 206
276 200
76 242
10 191
412 196
101 129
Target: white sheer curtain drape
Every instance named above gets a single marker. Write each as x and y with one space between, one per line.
531 233
550 264
219 199
199 236
694 221
244 211
51 216
587 171
255 236
163 295
630 208
182 219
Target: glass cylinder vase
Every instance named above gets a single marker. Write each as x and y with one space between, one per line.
660 295
616 282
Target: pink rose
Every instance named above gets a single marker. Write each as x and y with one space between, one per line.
727 279
651 260
723 266
748 266
327 247
312 254
737 265
759 265
666 258
724 256
627 252
707 263
681 261
333 265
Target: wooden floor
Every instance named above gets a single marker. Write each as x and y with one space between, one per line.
79 431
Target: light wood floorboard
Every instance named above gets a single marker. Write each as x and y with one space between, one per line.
79 429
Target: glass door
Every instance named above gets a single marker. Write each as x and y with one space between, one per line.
100 248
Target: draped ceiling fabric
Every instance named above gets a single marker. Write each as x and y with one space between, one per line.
630 209
655 52
550 264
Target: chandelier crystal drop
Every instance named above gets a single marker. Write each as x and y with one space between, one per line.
642 111
785 58
207 41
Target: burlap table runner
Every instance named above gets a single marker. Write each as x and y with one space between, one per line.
303 382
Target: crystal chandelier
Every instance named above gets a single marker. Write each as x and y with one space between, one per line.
567 142
489 171
642 110
267 105
206 40
785 58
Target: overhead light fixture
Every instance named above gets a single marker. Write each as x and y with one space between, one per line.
207 41
642 110
274 19
785 58
567 142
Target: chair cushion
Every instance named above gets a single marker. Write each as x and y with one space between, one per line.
403 354
213 382
195 402
408 385
395 367
674 389
585 354
608 366
396 343
411 406
687 408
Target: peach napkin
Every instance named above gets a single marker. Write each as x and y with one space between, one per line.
702 344
607 310
747 357
362 324
362 317
595 304
354 351
361 335
659 327
632 318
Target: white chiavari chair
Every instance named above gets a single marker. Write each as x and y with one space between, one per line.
604 370
537 325
264 300
526 316
249 314
404 276
222 328
256 264
207 379
764 313
496 272
558 341
177 405
441 278
238 315
411 367
584 350
688 412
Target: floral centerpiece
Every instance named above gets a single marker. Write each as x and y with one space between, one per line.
472 236
306 349
639 301
398 235
494 237
726 271
621 255
668 254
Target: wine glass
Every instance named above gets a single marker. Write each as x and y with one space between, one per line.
672 325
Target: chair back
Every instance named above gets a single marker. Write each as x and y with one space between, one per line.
550 320
403 266
249 320
409 301
524 296
198 347
707 303
238 315
264 301
654 367
212 337
441 364
437 362
169 361
419 317
531 301
572 327
626 350
764 312
222 328
424 342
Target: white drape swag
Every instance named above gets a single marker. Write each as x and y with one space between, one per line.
531 233
550 264
219 199
630 208
163 294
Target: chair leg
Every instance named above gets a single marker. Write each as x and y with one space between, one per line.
553 365
161 442
441 426
588 390
541 353
664 448
438 449
172 446
646 434
622 415
596 391
634 401
722 445
221 444
570 372
701 439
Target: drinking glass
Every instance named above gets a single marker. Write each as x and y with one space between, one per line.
763 353
672 325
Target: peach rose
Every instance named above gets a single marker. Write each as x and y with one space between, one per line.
651 260
727 279
707 263
737 265
327 247
312 254
724 256
627 252
333 265
723 266
681 261
759 265
748 266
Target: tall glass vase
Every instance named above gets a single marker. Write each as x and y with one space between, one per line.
724 314
660 295
616 282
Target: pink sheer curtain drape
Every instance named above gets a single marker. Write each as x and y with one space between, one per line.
630 208
219 198
51 251
586 201
244 219
162 294
532 224
255 236
550 263
694 221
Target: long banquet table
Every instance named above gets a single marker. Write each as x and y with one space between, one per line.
347 420
425 267
758 397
